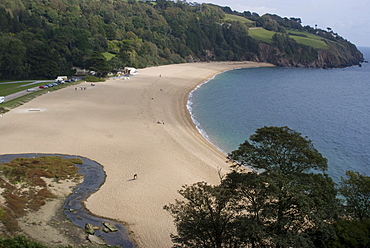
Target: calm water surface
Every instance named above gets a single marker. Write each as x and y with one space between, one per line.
331 107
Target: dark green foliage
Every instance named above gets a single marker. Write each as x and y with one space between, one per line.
93 79
351 234
297 52
12 58
19 242
301 202
356 191
208 218
46 38
279 150
96 62
288 205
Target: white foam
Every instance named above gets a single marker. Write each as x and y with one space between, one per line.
189 106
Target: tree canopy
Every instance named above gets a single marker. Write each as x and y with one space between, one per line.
288 205
356 190
47 38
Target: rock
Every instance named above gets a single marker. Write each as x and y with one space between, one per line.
89 228
111 227
96 239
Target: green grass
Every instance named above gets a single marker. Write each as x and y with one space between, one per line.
108 56
7 89
6 106
312 40
230 17
261 34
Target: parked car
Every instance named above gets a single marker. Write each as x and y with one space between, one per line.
31 90
43 86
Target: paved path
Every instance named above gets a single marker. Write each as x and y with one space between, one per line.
24 92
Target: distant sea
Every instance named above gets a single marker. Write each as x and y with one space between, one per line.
330 106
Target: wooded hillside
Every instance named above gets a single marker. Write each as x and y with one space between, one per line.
45 38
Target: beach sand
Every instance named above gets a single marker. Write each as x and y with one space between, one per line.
116 124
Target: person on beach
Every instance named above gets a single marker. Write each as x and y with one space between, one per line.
135 176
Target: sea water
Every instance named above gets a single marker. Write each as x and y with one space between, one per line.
331 107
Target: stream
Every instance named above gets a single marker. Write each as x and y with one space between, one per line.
74 210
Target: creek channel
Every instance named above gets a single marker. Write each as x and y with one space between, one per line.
74 209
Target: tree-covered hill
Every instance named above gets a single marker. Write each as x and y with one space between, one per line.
44 38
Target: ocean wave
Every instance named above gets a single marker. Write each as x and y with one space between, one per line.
189 106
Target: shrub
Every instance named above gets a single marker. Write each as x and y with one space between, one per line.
93 79
19 242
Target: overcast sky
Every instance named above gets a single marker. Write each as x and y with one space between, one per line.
350 19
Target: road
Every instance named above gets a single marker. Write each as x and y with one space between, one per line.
29 90
23 92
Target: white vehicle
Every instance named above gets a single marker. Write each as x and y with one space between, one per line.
2 99
61 78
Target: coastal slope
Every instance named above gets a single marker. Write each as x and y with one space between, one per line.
137 126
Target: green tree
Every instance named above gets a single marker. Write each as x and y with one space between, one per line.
356 191
299 203
351 234
43 61
288 205
251 193
12 58
279 150
97 62
208 217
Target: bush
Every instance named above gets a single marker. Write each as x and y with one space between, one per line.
93 79
76 160
19 242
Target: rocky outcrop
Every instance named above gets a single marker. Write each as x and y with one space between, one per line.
109 227
337 55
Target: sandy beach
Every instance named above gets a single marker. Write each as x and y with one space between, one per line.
137 126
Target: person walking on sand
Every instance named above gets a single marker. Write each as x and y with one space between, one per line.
135 176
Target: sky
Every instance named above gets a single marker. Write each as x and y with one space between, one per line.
350 19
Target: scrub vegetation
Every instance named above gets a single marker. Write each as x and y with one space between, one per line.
23 188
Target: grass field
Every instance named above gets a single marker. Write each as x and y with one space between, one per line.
230 17
261 34
108 56
10 88
309 39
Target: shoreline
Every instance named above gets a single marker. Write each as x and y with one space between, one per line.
116 124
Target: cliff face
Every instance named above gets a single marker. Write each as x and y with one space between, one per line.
338 55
